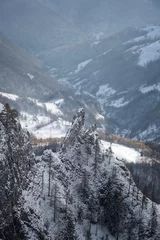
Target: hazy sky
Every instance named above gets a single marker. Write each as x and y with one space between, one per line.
40 24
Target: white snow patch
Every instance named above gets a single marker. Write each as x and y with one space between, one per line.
56 129
1 107
149 131
118 103
122 152
104 53
99 116
31 122
82 65
52 70
63 80
153 33
98 36
134 48
89 94
9 96
36 102
59 102
80 82
149 53
95 43
30 76
52 107
107 52
42 127
145 89
104 92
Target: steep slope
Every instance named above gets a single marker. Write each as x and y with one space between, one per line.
20 71
89 67
15 163
44 103
122 72
27 87
84 192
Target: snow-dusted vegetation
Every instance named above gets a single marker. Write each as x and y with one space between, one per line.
94 176
84 191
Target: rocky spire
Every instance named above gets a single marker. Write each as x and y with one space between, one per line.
75 129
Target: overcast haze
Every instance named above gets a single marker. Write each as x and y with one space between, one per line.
80 133
44 24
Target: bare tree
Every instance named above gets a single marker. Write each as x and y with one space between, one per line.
110 153
96 157
55 201
49 175
42 182
66 208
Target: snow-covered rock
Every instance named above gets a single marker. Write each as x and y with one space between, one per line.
86 192
16 161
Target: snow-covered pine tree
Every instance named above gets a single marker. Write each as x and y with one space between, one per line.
16 160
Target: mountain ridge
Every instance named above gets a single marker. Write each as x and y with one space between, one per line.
122 73
82 192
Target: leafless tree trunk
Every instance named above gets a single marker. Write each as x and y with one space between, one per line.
49 176
55 202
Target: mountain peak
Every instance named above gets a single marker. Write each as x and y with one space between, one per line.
76 127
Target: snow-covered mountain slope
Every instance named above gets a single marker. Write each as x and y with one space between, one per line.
49 119
123 153
20 70
41 119
81 192
143 167
84 192
41 100
122 73
94 68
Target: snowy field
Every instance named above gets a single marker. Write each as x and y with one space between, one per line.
122 152
56 129
10 96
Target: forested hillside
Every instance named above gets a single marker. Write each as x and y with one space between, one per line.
81 192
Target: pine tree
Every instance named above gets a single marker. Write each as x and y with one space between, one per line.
42 182
96 158
15 163
67 230
71 232
153 221
84 188
144 198
66 207
110 154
